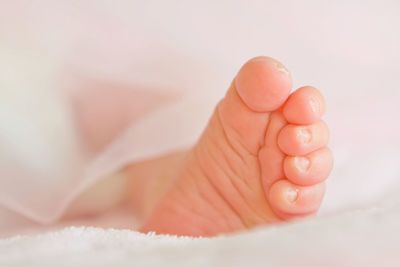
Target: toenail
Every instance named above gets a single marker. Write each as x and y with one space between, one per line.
281 68
304 135
314 104
302 163
292 194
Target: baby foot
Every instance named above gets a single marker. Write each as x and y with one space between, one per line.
262 159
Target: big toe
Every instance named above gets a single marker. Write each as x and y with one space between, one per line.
263 84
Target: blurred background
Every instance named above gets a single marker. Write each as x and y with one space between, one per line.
86 87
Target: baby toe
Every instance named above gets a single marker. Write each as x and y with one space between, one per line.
288 199
308 170
304 106
298 140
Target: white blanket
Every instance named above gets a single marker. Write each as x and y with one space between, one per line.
364 237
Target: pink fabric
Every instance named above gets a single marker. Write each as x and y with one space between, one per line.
78 99
84 96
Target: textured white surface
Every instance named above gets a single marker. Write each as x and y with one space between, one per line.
365 237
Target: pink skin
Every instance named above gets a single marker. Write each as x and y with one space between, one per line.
262 159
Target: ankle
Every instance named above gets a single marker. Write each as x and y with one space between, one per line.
149 180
